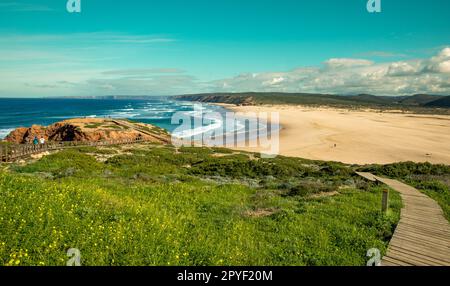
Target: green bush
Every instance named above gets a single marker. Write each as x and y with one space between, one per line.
406 169
65 163
305 188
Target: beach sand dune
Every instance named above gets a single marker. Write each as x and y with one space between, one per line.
360 136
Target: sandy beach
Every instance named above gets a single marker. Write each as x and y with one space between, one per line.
359 136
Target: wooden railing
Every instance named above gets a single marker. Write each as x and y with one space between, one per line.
12 152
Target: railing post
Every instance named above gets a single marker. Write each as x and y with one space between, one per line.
385 201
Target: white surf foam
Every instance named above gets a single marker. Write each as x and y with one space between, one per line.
5 132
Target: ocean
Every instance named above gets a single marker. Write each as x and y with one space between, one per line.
158 111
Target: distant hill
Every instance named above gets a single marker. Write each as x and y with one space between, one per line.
361 100
251 98
369 98
238 99
419 99
443 102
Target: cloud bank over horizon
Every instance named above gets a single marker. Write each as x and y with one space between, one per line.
352 76
335 76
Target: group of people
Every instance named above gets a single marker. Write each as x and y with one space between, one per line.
37 141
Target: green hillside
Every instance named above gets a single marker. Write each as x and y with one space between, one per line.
159 205
441 103
156 205
422 103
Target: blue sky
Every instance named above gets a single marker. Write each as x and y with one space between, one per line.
169 47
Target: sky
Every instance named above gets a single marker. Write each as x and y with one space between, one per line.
169 47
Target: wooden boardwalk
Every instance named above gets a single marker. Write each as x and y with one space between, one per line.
422 237
16 152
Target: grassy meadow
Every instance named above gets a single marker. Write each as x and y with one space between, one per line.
159 205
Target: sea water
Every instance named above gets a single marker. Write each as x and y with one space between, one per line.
158 111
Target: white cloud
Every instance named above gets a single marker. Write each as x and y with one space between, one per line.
347 63
403 68
337 76
85 38
381 54
352 76
156 85
143 72
24 7
439 63
445 66
274 81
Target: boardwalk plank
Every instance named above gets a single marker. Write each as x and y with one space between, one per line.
427 251
420 253
419 243
430 238
396 261
418 260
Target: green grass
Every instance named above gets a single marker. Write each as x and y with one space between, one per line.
6 144
183 225
153 129
161 207
93 125
6 147
117 127
96 150
64 164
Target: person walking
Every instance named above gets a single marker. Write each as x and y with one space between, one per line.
42 141
35 140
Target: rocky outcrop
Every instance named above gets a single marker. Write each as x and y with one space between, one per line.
89 130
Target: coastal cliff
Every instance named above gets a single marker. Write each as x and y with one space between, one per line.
90 130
